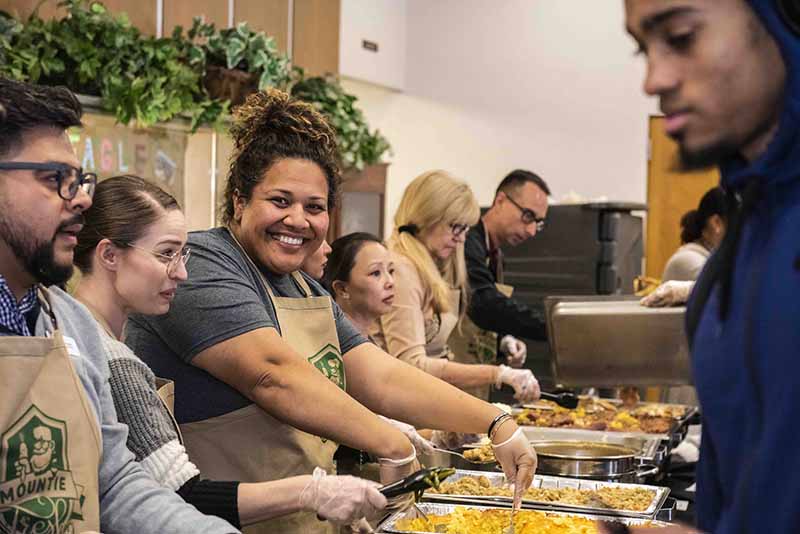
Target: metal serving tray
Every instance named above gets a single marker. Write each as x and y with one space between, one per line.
388 526
547 482
673 436
608 341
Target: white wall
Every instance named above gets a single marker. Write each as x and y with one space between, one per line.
493 85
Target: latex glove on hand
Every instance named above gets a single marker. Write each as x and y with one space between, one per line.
393 470
421 445
516 456
452 440
526 387
342 500
515 350
672 293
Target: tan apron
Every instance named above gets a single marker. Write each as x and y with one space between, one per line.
436 346
50 444
476 345
252 446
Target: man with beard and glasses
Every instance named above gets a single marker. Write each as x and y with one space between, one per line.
726 75
64 453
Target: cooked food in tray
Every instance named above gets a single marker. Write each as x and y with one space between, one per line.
615 498
492 521
600 414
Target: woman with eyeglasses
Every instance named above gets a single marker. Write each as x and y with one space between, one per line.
431 290
132 254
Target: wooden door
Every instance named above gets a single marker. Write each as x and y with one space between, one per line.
670 194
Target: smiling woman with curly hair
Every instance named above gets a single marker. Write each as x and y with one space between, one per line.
259 353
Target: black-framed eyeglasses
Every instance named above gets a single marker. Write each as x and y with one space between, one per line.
170 260
68 179
458 229
528 215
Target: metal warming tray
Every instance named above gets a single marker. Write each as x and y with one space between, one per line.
672 437
647 446
550 482
429 508
607 341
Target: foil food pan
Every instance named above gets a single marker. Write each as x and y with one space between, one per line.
550 482
429 508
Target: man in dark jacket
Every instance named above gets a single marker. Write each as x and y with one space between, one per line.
517 213
726 74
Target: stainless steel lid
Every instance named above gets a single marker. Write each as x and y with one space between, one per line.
607 341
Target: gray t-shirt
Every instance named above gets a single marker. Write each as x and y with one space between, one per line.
223 298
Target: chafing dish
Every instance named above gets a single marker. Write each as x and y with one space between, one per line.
429 508
607 341
547 482
598 461
648 450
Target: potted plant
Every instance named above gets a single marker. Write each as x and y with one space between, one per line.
236 61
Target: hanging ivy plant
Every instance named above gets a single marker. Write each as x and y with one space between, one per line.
358 145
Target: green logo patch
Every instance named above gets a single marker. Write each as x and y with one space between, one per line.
329 362
37 491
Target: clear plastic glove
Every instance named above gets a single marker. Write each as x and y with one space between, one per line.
452 440
342 500
515 350
518 459
526 387
672 293
393 470
421 445
361 526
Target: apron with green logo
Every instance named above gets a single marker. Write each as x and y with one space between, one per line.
50 444
250 445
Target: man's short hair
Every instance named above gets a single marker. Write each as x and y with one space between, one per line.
25 106
519 177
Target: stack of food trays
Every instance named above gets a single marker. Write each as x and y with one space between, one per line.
471 519
553 493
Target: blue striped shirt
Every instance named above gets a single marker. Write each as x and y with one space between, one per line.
12 313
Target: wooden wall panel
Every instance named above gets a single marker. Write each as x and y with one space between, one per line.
142 14
670 194
268 16
181 12
315 36
23 8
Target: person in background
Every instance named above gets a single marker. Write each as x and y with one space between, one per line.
53 370
314 264
726 75
702 231
431 289
279 377
517 213
132 255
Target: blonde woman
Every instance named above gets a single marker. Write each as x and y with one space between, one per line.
431 285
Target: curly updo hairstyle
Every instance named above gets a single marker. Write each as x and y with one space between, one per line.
268 127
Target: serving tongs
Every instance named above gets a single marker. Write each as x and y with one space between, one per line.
417 482
460 455
565 399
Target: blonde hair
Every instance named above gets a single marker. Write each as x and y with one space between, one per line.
435 197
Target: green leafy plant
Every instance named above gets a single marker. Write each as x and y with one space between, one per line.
239 48
140 79
357 144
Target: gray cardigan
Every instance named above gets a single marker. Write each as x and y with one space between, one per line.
131 501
